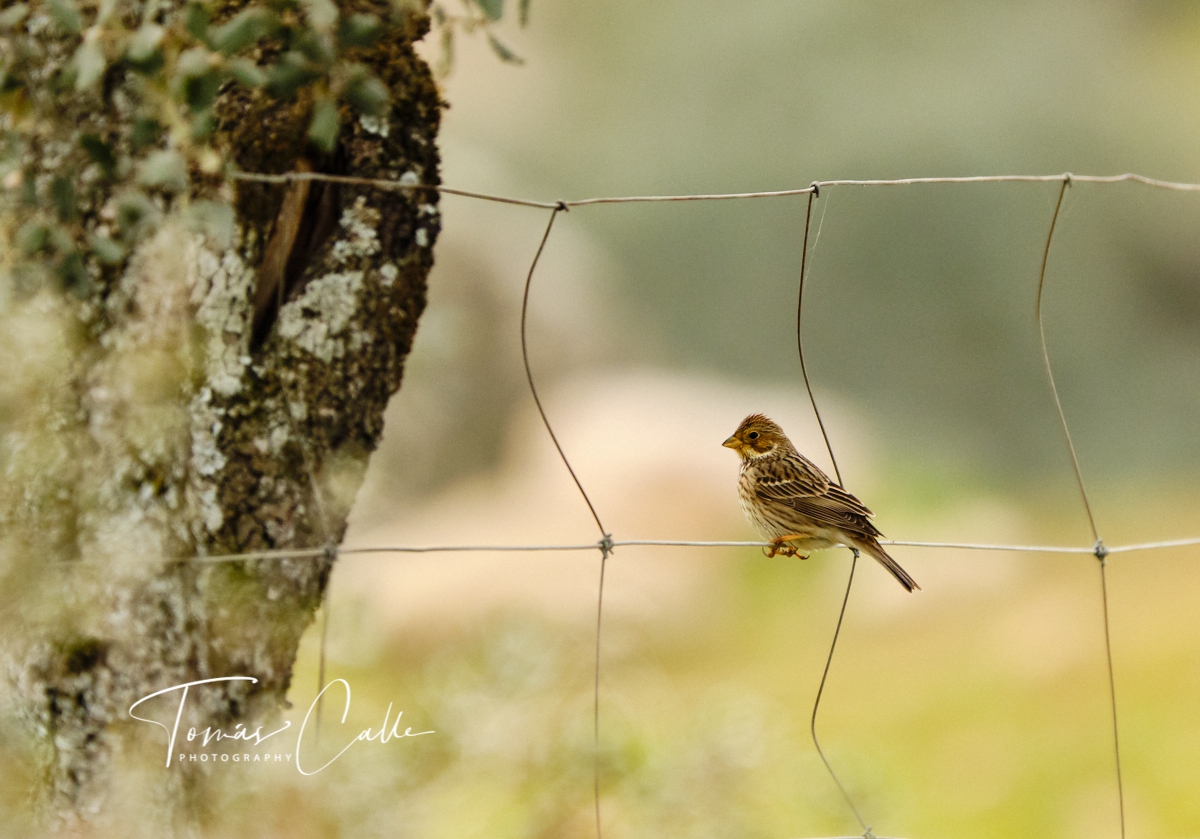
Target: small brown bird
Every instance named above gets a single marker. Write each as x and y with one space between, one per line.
794 505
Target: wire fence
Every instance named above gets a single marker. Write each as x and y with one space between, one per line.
606 544
613 544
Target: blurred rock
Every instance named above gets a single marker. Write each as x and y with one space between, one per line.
647 447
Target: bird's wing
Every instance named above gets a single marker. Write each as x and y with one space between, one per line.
838 497
788 478
798 484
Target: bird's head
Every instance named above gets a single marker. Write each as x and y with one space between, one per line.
757 437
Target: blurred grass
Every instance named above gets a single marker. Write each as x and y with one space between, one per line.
977 707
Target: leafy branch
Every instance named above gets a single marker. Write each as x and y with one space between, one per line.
477 16
166 72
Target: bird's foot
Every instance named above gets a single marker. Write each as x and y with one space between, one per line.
778 548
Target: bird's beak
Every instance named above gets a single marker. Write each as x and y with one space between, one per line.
733 443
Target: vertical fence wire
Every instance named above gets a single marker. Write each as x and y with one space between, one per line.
812 196
1062 417
605 543
559 208
1100 552
812 726
1112 692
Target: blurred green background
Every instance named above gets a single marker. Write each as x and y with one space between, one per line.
978 707
921 298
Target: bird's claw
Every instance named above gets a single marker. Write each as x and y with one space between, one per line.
778 548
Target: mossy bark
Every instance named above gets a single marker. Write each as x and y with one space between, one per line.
170 407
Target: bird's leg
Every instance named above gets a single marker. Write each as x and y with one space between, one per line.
777 546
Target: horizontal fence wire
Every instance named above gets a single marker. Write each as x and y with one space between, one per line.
611 545
815 186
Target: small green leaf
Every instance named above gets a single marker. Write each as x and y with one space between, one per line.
9 82
73 273
203 124
165 169
318 48
321 14
193 62
504 53
246 72
33 237
66 16
135 213
62 193
446 62
493 9
246 27
196 19
143 46
89 63
323 130
145 133
200 91
153 63
29 196
106 250
359 31
100 152
289 74
60 239
13 15
366 94
63 80
523 12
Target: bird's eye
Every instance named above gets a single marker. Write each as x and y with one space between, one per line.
753 435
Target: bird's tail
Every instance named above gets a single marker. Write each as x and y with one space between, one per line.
876 550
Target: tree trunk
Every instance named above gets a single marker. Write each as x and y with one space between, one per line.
215 388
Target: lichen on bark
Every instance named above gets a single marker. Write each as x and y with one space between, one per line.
162 407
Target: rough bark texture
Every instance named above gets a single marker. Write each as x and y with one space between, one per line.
144 422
